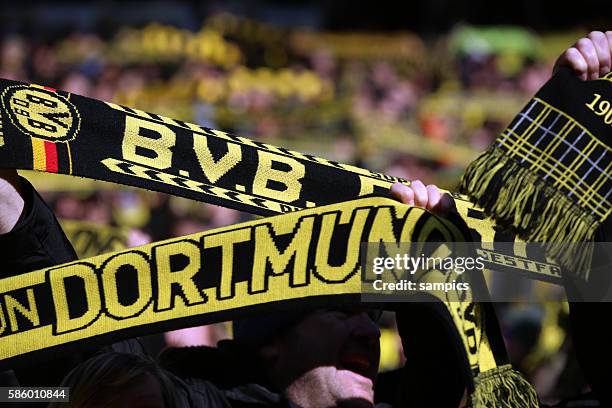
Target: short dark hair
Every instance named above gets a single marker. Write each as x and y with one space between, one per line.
101 379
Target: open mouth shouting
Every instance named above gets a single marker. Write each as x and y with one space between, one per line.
359 362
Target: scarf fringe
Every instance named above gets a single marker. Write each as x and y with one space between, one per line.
519 199
502 387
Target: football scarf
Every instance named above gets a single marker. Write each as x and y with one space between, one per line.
308 258
547 176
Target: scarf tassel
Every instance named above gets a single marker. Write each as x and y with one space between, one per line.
519 199
502 387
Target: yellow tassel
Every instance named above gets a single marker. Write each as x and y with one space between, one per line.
502 387
519 199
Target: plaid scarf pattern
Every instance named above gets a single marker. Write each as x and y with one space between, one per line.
548 174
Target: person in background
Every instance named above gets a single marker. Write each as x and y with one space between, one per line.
119 380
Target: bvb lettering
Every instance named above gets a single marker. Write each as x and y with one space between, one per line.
278 174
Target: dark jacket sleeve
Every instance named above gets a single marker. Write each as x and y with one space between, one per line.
37 241
588 316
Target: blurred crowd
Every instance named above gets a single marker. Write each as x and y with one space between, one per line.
418 108
306 88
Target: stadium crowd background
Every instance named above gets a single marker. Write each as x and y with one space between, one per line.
414 104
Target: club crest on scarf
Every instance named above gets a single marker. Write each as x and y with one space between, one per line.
41 113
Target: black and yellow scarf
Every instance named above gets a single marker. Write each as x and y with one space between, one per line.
548 175
307 257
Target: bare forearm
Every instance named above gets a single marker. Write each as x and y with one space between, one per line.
11 201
